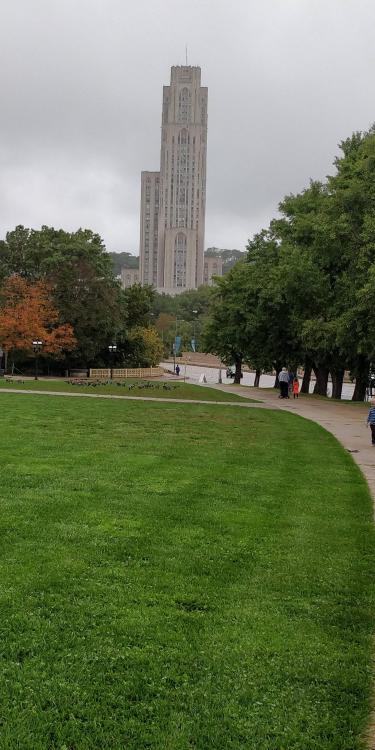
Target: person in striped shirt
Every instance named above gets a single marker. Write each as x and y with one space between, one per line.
371 420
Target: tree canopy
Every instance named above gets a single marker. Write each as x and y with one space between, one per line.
79 275
304 296
28 313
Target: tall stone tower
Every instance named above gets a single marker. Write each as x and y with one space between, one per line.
171 256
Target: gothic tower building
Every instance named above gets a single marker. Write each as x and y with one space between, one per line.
173 200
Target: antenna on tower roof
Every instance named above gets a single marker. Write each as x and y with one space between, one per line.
186 54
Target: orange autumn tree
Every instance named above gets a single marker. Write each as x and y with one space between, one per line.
28 313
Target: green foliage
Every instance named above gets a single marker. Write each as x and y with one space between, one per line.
188 310
139 302
143 347
37 254
79 271
183 304
225 333
123 260
85 290
308 296
229 257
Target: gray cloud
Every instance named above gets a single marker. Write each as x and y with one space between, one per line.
81 86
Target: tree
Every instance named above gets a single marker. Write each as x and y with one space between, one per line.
229 257
143 347
226 330
94 305
306 293
335 224
138 304
37 254
28 313
79 272
123 260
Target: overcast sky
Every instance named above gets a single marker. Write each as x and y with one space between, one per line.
80 109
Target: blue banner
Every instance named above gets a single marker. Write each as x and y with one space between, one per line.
193 342
177 344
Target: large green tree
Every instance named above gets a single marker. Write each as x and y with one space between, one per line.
79 272
226 331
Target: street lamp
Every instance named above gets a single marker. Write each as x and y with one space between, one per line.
195 312
37 348
112 350
220 377
176 345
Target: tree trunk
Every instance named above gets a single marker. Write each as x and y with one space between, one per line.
321 374
238 372
337 382
257 378
305 387
278 369
5 361
361 380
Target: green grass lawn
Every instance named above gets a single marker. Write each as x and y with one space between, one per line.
155 389
179 577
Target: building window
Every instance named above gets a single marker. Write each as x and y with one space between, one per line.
184 105
180 260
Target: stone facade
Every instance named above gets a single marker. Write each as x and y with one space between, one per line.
212 267
177 194
150 182
129 277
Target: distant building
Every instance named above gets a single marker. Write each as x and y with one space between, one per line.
150 182
129 277
229 257
212 267
173 201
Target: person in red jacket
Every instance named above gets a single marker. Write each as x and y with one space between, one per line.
295 388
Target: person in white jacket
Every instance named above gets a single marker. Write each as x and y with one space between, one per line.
284 383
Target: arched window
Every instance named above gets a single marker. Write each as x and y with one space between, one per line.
180 260
184 105
183 137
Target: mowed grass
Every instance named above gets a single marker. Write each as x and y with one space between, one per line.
145 389
180 576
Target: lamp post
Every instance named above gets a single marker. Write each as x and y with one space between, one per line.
37 348
195 312
174 347
112 350
178 320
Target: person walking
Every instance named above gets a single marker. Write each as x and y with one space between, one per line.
177 371
290 382
371 420
284 383
295 388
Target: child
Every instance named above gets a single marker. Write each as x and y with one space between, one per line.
371 420
295 388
